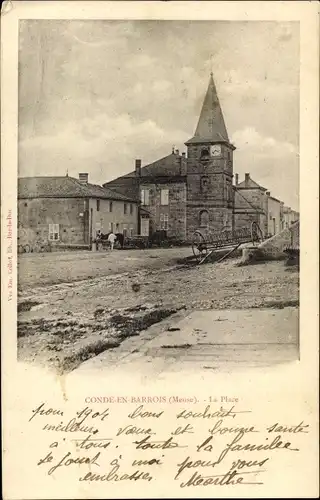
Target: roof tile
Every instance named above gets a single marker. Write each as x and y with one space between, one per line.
64 187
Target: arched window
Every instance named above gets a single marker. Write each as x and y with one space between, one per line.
204 218
204 153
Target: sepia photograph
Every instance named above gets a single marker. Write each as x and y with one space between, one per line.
158 195
160 321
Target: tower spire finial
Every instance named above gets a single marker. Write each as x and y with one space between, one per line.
211 65
211 126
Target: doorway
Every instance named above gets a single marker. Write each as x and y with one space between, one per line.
144 231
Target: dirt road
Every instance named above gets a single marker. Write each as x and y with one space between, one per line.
75 315
60 267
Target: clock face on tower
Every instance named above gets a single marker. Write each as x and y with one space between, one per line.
216 150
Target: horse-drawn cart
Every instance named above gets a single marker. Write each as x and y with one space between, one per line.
205 242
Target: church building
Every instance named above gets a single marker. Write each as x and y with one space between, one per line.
181 193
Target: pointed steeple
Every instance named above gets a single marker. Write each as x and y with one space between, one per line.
211 126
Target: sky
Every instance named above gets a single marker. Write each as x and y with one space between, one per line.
96 95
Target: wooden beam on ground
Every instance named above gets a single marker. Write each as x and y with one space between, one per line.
205 257
229 253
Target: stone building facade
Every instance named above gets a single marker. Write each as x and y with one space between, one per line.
68 211
185 192
254 203
290 216
181 193
249 203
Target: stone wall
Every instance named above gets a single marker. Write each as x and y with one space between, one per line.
250 205
76 219
218 219
35 215
244 219
175 210
209 190
273 248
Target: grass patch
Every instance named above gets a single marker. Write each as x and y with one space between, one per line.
176 346
130 326
281 304
61 335
71 362
23 330
27 305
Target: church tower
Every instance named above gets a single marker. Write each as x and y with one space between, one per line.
209 169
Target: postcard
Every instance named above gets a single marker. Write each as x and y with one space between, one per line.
159 191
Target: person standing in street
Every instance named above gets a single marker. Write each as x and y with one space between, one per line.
112 238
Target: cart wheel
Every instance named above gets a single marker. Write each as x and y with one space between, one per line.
256 233
199 246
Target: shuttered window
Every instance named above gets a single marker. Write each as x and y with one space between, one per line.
145 196
54 233
164 197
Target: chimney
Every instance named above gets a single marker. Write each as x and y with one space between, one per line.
183 155
237 179
138 168
83 178
177 151
268 193
246 178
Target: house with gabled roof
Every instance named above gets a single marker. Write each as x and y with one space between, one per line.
253 202
249 203
63 210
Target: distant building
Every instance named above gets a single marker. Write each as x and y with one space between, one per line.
184 192
290 216
274 214
250 203
71 211
253 202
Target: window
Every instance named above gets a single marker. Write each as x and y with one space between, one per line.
164 197
164 221
204 184
145 196
53 232
131 232
204 153
117 227
110 227
110 206
125 232
204 218
26 204
98 205
125 208
131 209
